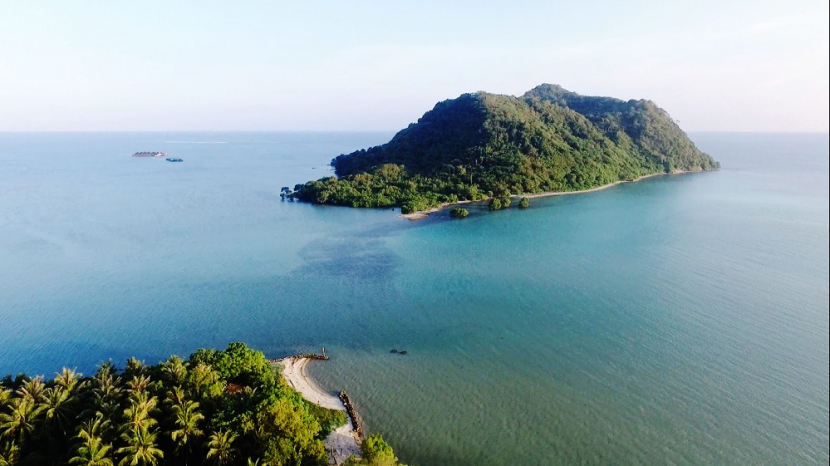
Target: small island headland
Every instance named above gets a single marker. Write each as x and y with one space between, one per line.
483 146
230 404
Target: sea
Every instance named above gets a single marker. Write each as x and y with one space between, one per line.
679 320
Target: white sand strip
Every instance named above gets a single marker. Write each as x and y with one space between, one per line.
422 214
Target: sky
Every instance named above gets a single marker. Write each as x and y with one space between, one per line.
379 65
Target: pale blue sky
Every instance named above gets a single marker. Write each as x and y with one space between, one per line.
372 65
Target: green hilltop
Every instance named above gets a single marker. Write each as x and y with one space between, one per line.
483 145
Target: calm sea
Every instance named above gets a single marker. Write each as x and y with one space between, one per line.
679 320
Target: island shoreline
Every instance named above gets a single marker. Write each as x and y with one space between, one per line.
341 442
422 214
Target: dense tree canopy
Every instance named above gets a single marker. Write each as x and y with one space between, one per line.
218 407
480 145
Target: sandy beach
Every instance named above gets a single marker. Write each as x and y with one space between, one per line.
343 441
422 214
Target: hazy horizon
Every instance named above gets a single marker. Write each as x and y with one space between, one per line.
371 66
368 130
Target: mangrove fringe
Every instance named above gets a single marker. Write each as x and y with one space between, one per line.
358 425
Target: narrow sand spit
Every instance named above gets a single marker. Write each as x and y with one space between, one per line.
343 441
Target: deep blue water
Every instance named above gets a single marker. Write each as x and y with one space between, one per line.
678 320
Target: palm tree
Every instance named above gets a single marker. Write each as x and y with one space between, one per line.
106 396
138 414
219 447
32 389
93 428
68 379
9 454
134 367
93 453
139 383
141 448
58 407
175 370
5 395
187 420
176 396
107 386
21 418
106 369
200 377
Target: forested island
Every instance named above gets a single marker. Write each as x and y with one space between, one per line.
481 146
217 407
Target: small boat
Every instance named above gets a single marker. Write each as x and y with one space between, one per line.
171 159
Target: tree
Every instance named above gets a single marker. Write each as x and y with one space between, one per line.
20 419
138 383
203 381
68 379
93 428
288 433
186 418
377 452
141 449
175 370
138 413
58 407
524 203
33 390
134 367
92 452
220 447
9 454
459 212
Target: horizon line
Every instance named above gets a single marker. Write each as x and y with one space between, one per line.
827 131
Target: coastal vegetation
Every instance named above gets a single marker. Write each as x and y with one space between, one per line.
524 203
217 407
481 146
459 212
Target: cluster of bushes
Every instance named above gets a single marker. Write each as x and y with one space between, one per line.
459 212
375 452
217 407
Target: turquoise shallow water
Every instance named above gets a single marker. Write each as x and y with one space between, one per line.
678 320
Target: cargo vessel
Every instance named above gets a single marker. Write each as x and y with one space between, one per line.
150 154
